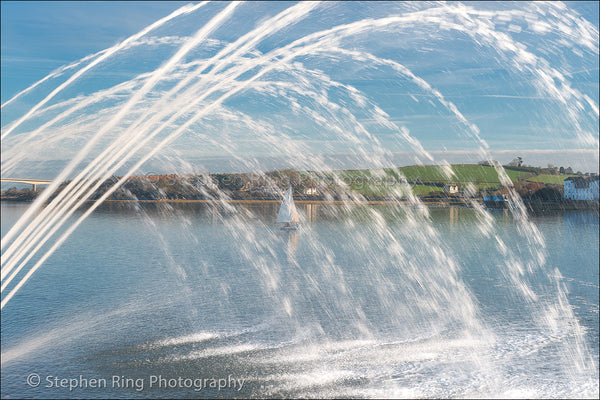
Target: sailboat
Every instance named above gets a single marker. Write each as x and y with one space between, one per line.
288 216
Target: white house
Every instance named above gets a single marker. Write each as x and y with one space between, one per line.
451 188
310 191
580 188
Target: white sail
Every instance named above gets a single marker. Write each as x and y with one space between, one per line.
287 212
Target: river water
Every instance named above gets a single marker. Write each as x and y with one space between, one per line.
177 300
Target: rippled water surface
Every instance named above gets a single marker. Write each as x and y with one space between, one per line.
178 291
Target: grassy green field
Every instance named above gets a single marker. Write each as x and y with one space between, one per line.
553 179
423 190
463 173
483 177
374 189
375 182
385 188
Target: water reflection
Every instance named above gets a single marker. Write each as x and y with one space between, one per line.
292 243
266 212
453 215
330 280
310 211
572 218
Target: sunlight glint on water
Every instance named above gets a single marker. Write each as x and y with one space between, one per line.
419 302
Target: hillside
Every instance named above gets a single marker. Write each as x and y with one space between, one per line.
425 181
429 179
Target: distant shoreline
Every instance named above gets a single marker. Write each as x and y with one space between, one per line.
536 207
258 201
539 188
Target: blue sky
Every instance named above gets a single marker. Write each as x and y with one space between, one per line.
38 37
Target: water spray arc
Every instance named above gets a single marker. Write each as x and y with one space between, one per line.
101 57
208 89
52 222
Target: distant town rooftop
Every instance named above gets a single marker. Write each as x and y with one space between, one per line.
582 182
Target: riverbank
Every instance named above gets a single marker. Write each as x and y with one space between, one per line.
259 201
565 205
532 206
